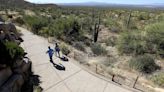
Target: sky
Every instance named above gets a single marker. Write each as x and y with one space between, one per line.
106 1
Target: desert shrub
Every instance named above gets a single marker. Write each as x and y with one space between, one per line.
36 23
132 43
14 50
10 51
143 16
109 61
44 32
67 27
57 28
111 41
80 46
113 25
158 79
19 20
65 50
132 25
144 64
98 49
150 40
155 37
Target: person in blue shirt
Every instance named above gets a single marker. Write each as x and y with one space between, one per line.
50 53
57 50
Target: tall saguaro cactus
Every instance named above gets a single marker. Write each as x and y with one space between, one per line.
95 28
129 18
96 31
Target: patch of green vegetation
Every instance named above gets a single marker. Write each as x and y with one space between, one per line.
36 23
144 64
10 51
150 41
98 49
131 43
158 79
155 38
14 50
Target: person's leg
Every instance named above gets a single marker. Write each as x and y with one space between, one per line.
59 54
56 53
51 58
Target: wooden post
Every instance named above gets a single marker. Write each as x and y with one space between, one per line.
96 68
135 81
113 77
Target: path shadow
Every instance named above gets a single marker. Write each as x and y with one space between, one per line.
63 58
58 66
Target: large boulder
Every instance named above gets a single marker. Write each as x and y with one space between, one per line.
10 32
4 75
14 84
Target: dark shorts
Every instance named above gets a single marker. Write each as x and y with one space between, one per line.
57 49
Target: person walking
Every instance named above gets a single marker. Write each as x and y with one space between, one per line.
57 50
50 53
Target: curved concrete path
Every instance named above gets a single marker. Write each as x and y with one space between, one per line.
73 79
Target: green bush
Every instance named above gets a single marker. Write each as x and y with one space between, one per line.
65 50
155 36
143 16
67 27
98 49
14 50
36 22
113 25
150 40
132 43
10 51
144 64
158 79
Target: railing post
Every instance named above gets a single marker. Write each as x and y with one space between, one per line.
135 81
96 68
113 77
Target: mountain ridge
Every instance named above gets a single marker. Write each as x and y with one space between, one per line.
23 4
103 4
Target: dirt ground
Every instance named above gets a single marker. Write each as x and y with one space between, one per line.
120 64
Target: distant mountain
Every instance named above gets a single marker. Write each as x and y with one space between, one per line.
84 4
102 4
22 4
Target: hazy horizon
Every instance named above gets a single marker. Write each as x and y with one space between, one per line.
133 2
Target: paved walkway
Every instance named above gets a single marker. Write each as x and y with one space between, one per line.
73 79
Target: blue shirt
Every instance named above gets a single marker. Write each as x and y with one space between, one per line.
50 52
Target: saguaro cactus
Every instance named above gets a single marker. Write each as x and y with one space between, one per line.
96 29
128 21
